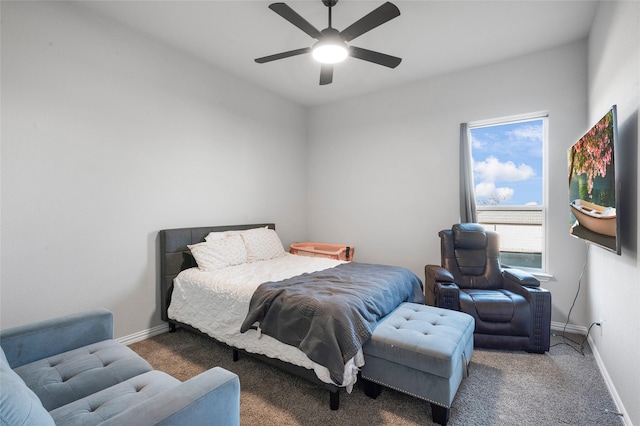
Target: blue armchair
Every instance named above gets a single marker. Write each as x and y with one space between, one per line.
70 371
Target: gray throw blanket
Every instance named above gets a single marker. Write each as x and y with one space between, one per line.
329 314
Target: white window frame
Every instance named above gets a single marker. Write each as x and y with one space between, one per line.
542 272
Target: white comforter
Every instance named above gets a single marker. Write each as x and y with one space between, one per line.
217 303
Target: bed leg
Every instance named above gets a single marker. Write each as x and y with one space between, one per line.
334 399
172 327
236 355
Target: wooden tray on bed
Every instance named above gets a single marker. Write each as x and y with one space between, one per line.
332 251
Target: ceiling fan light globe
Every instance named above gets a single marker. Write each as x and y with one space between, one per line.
329 53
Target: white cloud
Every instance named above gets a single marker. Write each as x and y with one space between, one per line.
529 132
488 194
477 143
492 170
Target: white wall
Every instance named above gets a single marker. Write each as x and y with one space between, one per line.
383 168
108 137
613 282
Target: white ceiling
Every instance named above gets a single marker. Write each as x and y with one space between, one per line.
432 38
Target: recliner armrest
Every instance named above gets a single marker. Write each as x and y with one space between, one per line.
35 341
212 397
448 296
540 302
520 277
434 274
443 276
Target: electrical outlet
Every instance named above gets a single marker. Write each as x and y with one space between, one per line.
599 324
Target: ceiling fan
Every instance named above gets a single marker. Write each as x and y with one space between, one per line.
332 46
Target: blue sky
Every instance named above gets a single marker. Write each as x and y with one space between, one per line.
507 163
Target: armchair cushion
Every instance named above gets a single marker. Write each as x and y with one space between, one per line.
213 394
63 378
469 236
470 241
497 311
95 408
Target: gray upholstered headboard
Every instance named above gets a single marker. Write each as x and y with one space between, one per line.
175 255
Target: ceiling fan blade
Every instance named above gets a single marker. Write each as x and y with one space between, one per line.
326 74
379 16
283 55
292 16
375 57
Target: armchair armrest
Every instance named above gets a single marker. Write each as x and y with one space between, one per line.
210 397
540 300
540 303
448 296
440 288
527 286
440 274
517 276
31 342
521 282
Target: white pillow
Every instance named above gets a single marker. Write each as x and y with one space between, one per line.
220 253
212 236
262 244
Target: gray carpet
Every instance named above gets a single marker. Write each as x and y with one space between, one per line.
562 387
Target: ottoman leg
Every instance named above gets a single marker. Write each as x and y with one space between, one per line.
371 389
440 414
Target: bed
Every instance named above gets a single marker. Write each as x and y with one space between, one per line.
219 301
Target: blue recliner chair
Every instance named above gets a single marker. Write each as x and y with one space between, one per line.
511 310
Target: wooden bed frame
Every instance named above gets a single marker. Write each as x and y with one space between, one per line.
175 257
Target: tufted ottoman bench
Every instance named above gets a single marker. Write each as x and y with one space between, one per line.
422 351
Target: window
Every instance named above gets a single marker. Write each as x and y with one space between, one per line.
510 186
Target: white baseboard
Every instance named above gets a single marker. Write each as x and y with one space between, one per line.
607 379
559 326
144 334
570 328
